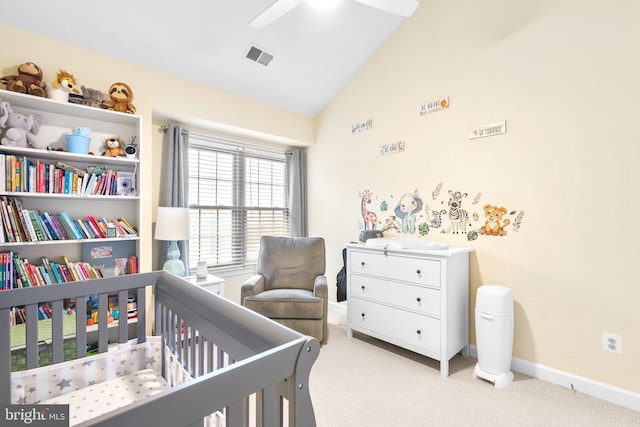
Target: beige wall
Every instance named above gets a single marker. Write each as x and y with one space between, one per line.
159 98
564 75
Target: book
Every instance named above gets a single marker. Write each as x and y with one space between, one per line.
70 168
6 222
15 206
53 230
3 181
71 225
96 226
69 269
127 226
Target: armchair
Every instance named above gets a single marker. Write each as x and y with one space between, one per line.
289 285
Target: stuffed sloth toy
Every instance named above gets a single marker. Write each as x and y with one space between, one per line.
28 80
121 96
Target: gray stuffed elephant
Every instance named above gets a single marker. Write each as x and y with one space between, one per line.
21 130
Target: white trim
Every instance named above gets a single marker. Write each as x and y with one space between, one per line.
609 393
337 307
606 392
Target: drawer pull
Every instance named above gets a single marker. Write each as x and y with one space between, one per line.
362 316
362 287
418 299
418 331
418 271
362 263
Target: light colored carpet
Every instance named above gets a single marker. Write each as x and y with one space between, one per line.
364 382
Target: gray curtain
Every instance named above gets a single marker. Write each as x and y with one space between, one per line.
174 187
297 181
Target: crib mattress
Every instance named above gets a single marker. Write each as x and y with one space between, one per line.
98 399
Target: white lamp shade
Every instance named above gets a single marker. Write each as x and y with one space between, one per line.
172 223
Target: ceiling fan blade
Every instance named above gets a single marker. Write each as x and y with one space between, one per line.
273 12
398 7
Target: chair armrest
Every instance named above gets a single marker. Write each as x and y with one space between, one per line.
253 285
320 287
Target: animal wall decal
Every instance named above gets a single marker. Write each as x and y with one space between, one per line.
412 216
406 209
370 218
459 217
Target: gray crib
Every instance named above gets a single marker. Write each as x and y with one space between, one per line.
250 369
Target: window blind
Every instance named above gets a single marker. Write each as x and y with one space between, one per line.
236 195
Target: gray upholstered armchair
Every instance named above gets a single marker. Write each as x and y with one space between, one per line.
290 286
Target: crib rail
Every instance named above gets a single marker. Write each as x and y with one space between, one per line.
252 370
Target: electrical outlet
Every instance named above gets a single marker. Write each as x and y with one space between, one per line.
611 343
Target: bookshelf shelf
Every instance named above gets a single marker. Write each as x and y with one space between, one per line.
57 184
81 197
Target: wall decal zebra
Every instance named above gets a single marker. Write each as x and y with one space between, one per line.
459 217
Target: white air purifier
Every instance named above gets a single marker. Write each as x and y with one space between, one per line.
494 334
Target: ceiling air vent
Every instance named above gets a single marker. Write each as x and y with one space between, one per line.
258 55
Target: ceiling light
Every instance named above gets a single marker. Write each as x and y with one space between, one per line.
323 4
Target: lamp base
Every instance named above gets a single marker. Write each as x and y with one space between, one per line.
174 264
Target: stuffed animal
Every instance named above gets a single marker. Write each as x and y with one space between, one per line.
92 97
60 88
28 80
113 146
121 96
21 130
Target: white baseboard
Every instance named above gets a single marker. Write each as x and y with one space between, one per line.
606 392
609 393
337 307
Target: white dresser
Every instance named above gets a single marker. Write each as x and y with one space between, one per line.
414 298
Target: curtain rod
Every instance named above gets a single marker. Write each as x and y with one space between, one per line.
165 128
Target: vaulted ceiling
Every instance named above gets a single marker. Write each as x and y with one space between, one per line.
315 52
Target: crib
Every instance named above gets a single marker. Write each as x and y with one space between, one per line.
221 364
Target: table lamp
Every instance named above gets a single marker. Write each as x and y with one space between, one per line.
172 224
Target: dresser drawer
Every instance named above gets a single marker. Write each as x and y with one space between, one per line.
414 331
406 296
404 268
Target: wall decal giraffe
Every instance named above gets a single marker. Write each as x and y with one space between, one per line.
369 218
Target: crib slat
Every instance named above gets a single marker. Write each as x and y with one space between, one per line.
57 335
141 302
5 356
268 411
81 327
31 340
103 332
123 319
235 415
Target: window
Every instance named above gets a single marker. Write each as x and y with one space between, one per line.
236 195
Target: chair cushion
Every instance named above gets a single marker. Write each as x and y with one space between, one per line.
291 262
286 304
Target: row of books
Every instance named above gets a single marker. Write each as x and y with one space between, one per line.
16 272
28 225
24 175
19 315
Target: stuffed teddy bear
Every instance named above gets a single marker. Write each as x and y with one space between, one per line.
60 88
21 130
92 97
113 147
121 96
28 80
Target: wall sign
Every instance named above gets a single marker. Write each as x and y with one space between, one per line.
488 129
361 126
433 106
396 147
